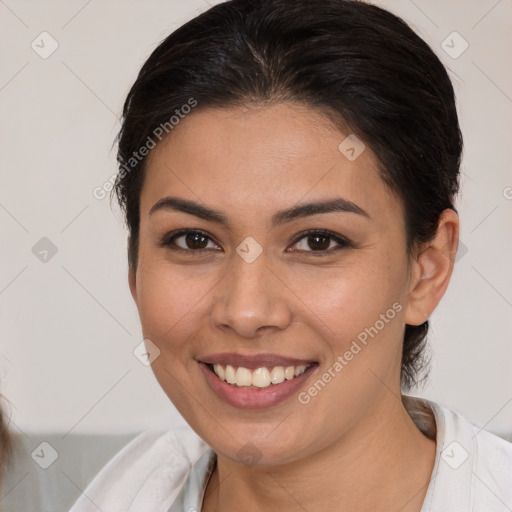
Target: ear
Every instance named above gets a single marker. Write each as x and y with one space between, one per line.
432 269
132 281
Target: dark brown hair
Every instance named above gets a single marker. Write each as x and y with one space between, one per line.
354 61
6 446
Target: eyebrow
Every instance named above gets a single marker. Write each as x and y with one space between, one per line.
191 207
328 206
295 212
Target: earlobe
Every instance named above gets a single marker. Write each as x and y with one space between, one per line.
432 270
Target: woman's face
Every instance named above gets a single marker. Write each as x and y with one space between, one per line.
296 257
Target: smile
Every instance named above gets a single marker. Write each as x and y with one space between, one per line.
262 377
255 382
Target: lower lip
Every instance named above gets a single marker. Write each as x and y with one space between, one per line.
254 398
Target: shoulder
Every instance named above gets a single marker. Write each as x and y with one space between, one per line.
147 473
488 452
492 471
473 469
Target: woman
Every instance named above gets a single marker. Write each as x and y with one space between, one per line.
288 171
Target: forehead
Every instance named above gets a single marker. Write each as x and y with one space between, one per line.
258 158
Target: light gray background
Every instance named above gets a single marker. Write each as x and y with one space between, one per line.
69 326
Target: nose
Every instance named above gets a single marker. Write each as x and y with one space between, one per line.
251 300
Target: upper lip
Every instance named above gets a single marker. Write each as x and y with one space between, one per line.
253 361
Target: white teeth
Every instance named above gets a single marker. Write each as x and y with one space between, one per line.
299 370
277 375
260 377
230 374
243 377
289 373
219 370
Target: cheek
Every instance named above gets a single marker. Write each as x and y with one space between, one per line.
170 303
360 316
347 300
362 328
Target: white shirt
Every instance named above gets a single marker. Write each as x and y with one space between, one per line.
167 471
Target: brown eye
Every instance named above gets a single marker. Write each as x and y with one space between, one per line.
190 240
196 241
320 241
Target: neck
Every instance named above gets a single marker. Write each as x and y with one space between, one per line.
383 463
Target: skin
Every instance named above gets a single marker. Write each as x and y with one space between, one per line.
355 435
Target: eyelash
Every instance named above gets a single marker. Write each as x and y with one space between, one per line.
343 243
168 241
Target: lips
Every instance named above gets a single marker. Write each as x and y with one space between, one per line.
255 382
